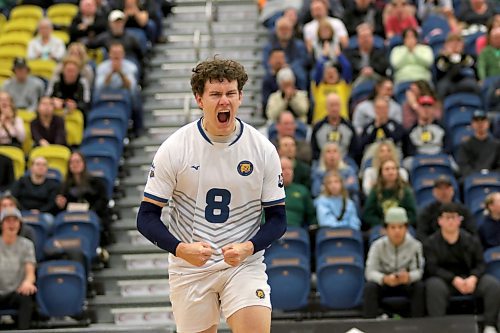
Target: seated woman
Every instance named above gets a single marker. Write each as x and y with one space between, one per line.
333 206
331 160
79 51
47 128
81 187
383 151
12 130
389 191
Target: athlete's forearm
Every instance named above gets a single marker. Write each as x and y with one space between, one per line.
150 225
272 230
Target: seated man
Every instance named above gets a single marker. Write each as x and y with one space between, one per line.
455 266
17 268
489 231
394 266
287 125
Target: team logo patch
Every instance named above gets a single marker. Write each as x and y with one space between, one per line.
281 182
245 168
152 171
260 293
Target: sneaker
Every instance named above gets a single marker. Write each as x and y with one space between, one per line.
490 329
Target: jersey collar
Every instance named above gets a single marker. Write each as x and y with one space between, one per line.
204 135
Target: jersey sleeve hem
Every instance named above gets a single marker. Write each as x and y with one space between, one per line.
274 202
154 197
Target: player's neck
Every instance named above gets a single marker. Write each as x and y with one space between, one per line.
222 138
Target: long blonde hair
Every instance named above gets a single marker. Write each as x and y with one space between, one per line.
376 155
331 174
322 165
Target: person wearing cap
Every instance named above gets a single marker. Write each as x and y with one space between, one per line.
394 267
443 193
455 70
489 230
17 268
481 151
426 136
454 266
24 88
87 23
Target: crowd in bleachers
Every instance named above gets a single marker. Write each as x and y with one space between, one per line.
378 104
70 74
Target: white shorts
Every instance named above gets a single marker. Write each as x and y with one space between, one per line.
198 299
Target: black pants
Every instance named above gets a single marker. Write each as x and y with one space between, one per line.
23 305
374 293
439 291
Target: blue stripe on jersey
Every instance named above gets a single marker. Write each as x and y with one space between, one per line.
271 203
154 197
239 135
202 132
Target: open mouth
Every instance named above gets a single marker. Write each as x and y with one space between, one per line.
223 117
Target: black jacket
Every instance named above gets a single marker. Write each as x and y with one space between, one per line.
378 61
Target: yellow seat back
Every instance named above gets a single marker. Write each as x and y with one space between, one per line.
26 11
21 38
62 35
27 117
16 154
62 10
73 122
28 25
8 53
43 68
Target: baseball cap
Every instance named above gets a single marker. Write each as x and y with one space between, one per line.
396 215
426 100
10 211
116 15
442 180
479 114
20 63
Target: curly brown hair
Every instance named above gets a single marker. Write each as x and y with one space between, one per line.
217 69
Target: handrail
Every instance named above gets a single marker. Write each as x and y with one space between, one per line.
187 108
197 44
210 9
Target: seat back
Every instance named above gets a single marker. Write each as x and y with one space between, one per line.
478 185
492 260
16 154
294 241
41 228
338 241
43 68
62 288
26 11
79 224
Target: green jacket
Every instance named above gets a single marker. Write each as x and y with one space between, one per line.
488 63
299 206
375 209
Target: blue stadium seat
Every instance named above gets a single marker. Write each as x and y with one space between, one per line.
423 185
41 228
458 116
434 25
477 186
459 135
112 98
361 92
462 99
425 165
114 114
59 246
62 288
400 91
294 241
101 170
289 276
338 242
492 260
340 281
107 136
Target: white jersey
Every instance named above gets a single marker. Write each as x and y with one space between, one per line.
215 191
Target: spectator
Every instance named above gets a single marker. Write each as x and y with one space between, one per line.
287 147
136 14
335 8
389 191
488 63
489 230
443 193
24 88
276 62
82 187
12 130
418 89
333 206
272 10
364 12
326 46
35 191
364 113
88 22
399 17
70 90
286 125
476 12
334 128
381 128
455 69
79 51
455 266
46 46
299 206
481 151
47 128
17 268
441 7
295 51
482 40
331 160
383 150
411 61
291 13
7 201
6 173
331 77
117 72
288 97
319 11
426 136
394 267
367 62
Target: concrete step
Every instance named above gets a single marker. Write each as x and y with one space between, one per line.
143 316
182 71
132 310
189 56
124 225
109 277
187 41
144 288
140 262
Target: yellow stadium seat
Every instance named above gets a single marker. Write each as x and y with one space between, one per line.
3 19
16 154
62 10
27 117
73 122
26 24
43 68
57 157
8 53
62 21
5 73
20 38
62 35
26 11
